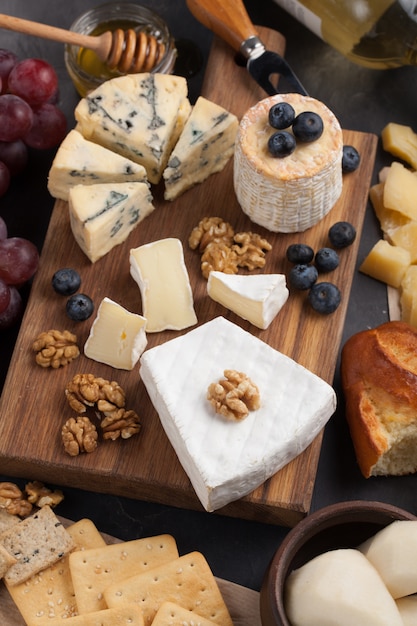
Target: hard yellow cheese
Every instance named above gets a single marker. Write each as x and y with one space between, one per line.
386 263
159 270
401 141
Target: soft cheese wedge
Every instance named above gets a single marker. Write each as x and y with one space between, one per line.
102 216
117 336
257 298
139 116
226 460
204 147
160 272
79 161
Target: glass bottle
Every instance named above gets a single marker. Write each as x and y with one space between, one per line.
375 33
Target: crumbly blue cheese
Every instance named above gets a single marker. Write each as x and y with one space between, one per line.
139 116
257 298
204 147
79 161
102 216
225 460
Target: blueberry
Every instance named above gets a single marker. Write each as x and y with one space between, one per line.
300 253
324 297
307 126
281 115
66 281
281 144
79 307
302 276
326 259
350 159
342 234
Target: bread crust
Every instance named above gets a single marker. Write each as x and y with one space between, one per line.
379 381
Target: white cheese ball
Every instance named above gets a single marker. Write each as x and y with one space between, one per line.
393 552
408 610
339 587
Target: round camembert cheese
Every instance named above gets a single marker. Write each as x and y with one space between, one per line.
292 193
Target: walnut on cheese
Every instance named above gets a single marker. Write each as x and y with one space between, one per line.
234 396
108 400
55 348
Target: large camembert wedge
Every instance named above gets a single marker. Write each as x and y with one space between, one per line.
226 460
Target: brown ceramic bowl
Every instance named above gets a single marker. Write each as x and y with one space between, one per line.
342 525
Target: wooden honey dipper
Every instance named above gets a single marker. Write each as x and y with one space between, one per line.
126 50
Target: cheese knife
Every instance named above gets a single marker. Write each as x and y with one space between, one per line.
230 21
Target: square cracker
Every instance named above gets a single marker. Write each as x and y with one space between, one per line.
171 614
6 561
94 570
37 542
122 616
50 594
187 581
7 520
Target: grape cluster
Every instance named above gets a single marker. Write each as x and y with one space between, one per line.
19 260
30 117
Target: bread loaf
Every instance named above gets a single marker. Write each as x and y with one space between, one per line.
379 380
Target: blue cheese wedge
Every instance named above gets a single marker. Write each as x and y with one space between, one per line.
79 161
257 298
204 147
139 116
117 336
102 216
226 460
159 270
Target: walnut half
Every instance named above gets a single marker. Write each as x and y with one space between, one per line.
234 396
79 435
13 500
88 390
120 423
55 348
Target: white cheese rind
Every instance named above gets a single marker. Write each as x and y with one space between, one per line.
102 216
293 193
117 336
204 147
159 270
226 460
139 116
79 161
257 298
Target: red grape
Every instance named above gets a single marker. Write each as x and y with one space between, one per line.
3 229
14 311
16 117
15 155
34 80
4 296
7 62
4 178
19 260
48 129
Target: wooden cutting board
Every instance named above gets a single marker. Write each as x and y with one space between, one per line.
33 406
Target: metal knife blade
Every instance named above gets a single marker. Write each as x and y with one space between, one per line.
229 20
